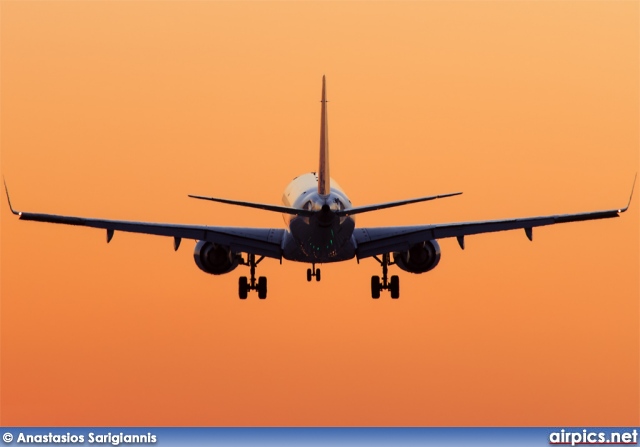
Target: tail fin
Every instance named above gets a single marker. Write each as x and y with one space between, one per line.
323 169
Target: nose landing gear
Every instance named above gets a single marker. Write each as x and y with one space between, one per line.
392 285
244 284
313 271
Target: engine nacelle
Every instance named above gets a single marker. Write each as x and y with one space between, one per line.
419 258
214 259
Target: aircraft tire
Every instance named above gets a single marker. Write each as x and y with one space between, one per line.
317 274
309 275
375 287
394 286
262 287
243 287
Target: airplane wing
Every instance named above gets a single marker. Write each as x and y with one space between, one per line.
260 241
377 241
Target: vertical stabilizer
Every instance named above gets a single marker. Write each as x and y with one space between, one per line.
323 169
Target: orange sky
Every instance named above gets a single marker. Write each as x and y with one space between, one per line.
121 109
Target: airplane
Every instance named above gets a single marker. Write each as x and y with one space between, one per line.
320 221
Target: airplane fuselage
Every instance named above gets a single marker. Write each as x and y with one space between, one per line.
323 237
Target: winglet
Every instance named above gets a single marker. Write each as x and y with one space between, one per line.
324 182
17 213
622 210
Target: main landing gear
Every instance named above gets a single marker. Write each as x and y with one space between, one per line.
313 271
244 284
393 285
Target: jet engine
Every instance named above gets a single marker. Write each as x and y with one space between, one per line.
419 258
214 259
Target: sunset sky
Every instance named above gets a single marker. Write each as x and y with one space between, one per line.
120 109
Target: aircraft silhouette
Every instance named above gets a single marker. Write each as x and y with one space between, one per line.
320 229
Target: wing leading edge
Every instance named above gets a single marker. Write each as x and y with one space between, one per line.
377 241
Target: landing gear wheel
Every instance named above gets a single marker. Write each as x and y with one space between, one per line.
391 284
394 287
262 287
375 287
313 271
243 287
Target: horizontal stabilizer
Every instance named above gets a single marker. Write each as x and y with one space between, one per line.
260 206
381 206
